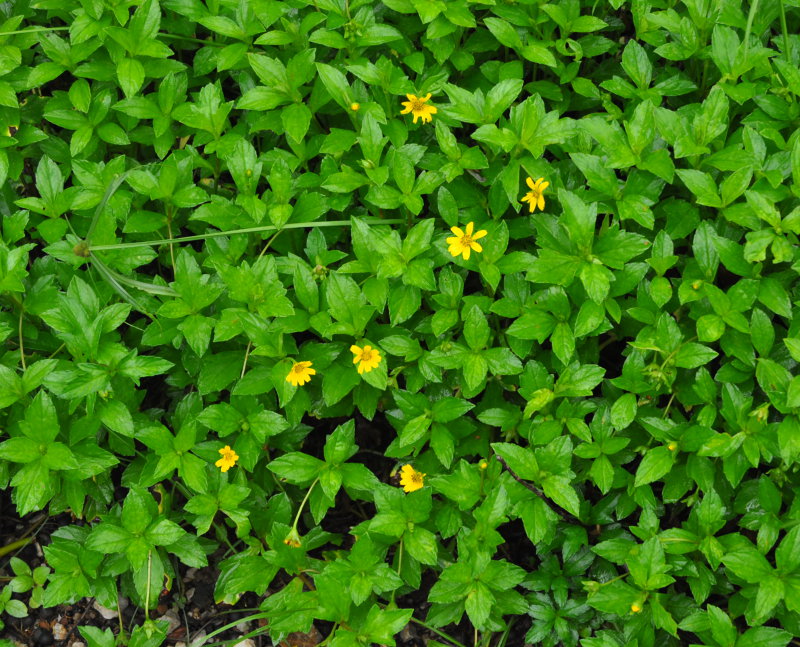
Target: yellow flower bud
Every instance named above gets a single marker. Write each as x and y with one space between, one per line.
672 447
354 106
293 539
635 608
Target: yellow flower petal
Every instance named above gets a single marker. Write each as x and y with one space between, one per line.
470 227
477 247
530 183
411 479
457 231
479 234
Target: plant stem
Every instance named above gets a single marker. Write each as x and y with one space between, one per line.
21 344
171 246
399 565
441 634
248 230
246 355
785 30
303 504
147 593
32 30
10 548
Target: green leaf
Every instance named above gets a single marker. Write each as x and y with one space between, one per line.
702 186
521 460
479 603
636 64
623 411
655 464
748 564
560 490
476 328
296 467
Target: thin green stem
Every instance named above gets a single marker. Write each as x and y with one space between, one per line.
231 232
441 634
303 504
749 27
246 356
21 344
785 30
171 244
189 39
32 30
328 638
231 625
399 566
269 242
147 593
10 548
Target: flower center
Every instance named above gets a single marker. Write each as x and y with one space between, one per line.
466 241
298 368
417 105
416 477
366 355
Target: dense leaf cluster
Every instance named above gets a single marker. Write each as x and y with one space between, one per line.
596 410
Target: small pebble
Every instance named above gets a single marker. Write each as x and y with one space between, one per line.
243 627
78 643
247 642
199 639
108 614
59 631
171 616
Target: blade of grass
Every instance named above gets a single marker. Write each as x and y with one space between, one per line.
749 27
248 230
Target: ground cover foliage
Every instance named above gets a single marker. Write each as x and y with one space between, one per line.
238 328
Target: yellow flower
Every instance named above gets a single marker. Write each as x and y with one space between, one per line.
672 446
293 539
635 608
354 106
411 479
761 413
483 465
416 106
463 242
534 197
300 373
228 460
367 358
